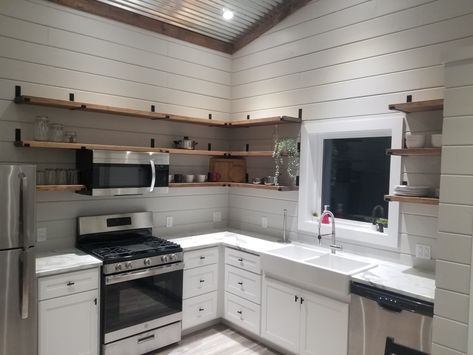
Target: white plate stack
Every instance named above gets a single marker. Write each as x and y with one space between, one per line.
412 190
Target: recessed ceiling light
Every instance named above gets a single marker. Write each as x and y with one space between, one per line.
227 14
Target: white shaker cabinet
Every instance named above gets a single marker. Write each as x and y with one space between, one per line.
200 289
302 321
69 324
280 314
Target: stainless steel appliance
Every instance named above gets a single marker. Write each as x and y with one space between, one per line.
141 287
18 309
110 173
376 314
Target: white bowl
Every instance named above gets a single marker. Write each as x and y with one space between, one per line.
415 140
201 178
436 140
188 178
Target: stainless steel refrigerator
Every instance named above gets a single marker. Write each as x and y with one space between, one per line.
18 304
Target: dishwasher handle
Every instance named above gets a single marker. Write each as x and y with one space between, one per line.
389 304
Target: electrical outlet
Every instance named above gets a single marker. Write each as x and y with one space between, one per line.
169 222
264 222
423 251
217 217
41 234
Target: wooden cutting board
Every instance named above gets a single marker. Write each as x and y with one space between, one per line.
231 170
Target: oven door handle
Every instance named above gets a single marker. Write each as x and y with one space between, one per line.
153 175
134 275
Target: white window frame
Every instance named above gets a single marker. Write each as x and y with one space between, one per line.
310 189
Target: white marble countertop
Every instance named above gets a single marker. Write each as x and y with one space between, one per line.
61 261
236 240
401 279
389 276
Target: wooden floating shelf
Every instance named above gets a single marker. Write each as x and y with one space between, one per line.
256 153
410 199
59 187
418 106
197 184
415 151
77 146
89 107
235 184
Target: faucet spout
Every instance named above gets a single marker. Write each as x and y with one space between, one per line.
333 246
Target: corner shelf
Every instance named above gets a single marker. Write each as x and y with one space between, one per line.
415 151
151 115
77 146
418 106
410 199
59 187
235 184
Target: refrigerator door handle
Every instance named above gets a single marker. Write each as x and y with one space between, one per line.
21 215
25 268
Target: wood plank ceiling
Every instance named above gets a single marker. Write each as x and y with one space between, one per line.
196 21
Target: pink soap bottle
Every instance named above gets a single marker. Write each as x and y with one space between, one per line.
325 218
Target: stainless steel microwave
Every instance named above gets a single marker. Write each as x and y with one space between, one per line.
110 173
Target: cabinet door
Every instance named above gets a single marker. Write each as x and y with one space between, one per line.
69 325
199 309
243 283
324 325
200 280
281 314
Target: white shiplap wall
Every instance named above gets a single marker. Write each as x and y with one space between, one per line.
453 294
345 58
51 50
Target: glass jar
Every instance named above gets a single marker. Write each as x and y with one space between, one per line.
56 132
61 177
41 128
72 177
50 176
40 177
70 137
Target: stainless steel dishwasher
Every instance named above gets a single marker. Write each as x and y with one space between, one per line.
376 314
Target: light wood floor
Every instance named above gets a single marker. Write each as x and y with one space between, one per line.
216 340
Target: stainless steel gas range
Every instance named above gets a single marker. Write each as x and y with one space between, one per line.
141 290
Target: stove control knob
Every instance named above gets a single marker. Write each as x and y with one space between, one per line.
128 265
164 258
147 262
173 257
118 267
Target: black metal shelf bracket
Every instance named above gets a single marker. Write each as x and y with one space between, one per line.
17 134
71 96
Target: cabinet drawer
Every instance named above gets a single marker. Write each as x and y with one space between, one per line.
200 280
201 257
199 309
244 313
243 283
67 284
243 260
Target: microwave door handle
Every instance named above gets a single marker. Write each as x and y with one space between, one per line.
153 175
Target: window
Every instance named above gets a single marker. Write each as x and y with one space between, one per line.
344 165
355 177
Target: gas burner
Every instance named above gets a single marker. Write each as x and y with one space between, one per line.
111 252
161 244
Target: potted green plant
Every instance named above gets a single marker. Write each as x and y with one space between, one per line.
381 225
285 148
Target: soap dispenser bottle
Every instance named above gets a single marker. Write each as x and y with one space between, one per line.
325 218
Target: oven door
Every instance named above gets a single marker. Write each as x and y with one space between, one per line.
141 300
